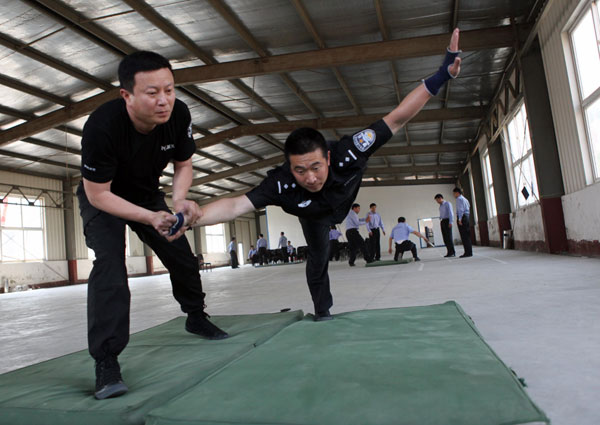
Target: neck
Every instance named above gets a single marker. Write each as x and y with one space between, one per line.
140 126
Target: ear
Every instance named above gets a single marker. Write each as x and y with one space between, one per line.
328 158
125 95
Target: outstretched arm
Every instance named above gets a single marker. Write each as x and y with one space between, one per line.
417 98
224 210
422 237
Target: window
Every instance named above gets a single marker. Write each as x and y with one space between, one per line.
489 185
521 159
215 238
585 42
21 229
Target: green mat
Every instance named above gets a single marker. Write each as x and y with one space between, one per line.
417 365
158 364
389 262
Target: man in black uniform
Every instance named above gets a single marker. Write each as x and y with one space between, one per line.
126 145
319 180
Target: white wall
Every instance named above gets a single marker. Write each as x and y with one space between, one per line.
412 202
582 214
526 224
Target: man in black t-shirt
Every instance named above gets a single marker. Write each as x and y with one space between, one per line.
319 180
126 145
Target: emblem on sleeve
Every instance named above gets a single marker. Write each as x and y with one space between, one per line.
364 140
190 131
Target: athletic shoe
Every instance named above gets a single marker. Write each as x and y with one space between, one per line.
322 316
198 323
108 379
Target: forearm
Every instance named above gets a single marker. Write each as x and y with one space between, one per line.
182 180
119 207
223 210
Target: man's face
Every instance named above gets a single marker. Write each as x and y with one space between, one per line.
439 200
356 210
456 194
373 208
310 169
152 100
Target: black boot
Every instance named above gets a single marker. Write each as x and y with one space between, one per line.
108 379
198 323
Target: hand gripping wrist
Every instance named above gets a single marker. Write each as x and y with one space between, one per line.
437 80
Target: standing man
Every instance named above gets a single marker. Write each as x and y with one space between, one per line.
446 218
282 245
462 219
400 234
373 226
355 240
233 254
319 181
261 244
334 243
126 144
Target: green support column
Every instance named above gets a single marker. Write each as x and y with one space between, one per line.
545 150
482 216
500 186
69 216
465 184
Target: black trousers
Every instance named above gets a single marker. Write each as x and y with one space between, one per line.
334 249
401 248
108 292
356 243
447 234
284 255
262 255
465 234
375 247
234 260
317 263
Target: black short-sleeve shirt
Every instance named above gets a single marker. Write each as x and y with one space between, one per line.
331 204
112 150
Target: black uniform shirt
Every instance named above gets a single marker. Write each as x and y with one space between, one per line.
112 149
331 204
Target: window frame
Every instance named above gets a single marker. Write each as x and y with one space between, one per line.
518 163
23 228
488 180
592 98
209 235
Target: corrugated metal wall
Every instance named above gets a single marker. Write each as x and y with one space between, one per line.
572 151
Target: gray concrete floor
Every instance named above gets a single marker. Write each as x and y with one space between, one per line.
540 313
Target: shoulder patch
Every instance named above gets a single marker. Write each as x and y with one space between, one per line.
364 140
189 131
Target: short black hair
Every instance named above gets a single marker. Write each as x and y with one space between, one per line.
141 61
439 195
333 227
373 204
282 233
261 235
457 190
355 205
401 219
304 140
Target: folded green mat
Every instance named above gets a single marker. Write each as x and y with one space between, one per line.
158 364
405 366
389 262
